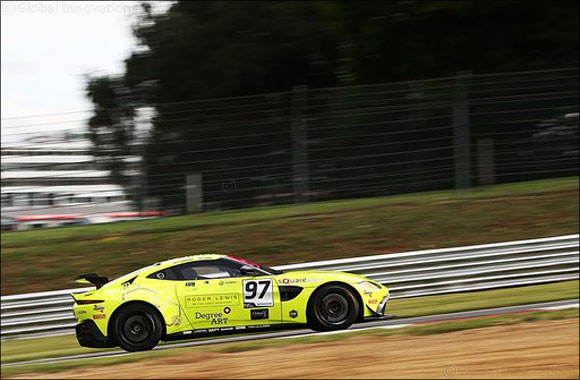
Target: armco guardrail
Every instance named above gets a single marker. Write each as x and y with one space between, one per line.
408 274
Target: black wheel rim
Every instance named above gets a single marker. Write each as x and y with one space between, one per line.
334 308
138 328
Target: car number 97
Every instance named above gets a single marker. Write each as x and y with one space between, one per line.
258 293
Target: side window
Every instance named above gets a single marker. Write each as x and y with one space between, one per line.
207 270
164 274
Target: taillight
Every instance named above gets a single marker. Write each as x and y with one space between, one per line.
88 302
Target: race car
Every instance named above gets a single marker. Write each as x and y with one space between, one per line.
208 294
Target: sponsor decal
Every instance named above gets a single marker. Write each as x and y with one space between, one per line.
175 321
99 316
213 318
213 300
366 293
372 302
98 308
259 327
79 312
227 310
220 283
229 328
259 314
292 281
293 314
190 284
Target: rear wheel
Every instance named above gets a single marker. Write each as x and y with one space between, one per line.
137 327
332 307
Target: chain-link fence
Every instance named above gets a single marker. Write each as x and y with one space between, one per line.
372 140
310 145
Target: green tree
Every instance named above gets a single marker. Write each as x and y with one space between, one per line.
215 49
405 40
112 126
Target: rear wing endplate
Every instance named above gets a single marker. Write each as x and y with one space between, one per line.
92 278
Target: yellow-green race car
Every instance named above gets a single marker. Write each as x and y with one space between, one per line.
206 294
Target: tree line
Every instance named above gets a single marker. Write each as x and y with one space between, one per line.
256 53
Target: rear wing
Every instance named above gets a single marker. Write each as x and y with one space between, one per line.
92 278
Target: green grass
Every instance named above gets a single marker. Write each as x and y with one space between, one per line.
291 234
261 213
447 303
38 348
30 349
430 329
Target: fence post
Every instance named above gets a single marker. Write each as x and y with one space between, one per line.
142 177
486 162
299 147
193 193
136 179
461 131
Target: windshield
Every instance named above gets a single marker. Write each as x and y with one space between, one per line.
272 270
265 268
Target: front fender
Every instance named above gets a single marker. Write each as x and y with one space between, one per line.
371 298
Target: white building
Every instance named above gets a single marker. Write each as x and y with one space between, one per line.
45 176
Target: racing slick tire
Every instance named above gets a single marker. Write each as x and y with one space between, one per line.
137 327
332 307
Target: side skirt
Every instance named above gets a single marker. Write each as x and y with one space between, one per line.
219 331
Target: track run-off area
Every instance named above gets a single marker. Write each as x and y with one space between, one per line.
376 324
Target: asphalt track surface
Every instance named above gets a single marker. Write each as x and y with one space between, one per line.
382 323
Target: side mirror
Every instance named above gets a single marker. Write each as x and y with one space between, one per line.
248 270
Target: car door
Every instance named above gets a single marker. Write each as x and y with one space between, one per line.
215 297
261 301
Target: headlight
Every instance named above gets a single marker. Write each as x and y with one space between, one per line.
369 285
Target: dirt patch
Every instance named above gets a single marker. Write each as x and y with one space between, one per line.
546 349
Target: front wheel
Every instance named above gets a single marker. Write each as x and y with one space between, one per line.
137 328
332 307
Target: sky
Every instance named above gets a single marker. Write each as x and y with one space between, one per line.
47 49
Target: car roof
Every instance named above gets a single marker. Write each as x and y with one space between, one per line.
145 271
188 259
